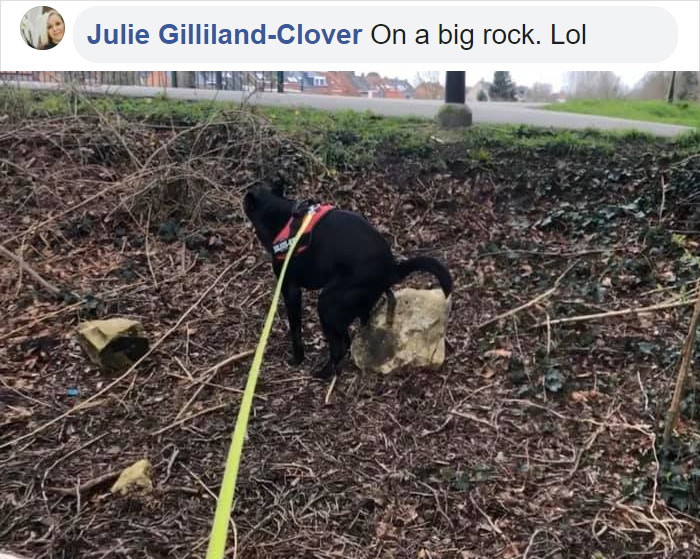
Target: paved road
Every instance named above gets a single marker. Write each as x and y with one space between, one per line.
492 113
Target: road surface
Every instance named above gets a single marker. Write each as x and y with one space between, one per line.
483 113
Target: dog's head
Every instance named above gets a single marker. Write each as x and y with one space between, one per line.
267 209
261 196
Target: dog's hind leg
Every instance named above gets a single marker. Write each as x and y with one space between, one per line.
372 303
292 301
338 306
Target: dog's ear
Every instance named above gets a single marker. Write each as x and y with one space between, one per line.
277 188
250 202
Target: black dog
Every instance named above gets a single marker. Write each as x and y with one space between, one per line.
343 255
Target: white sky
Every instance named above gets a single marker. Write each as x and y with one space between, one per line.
523 75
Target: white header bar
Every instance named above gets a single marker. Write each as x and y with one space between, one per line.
281 35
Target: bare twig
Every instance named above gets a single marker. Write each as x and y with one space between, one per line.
189 418
472 417
550 253
216 385
330 389
148 249
491 523
65 457
674 410
208 375
87 486
229 359
644 393
534 301
202 384
20 268
216 499
584 448
55 291
532 541
609 314
663 199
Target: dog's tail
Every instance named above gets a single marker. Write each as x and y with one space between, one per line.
424 264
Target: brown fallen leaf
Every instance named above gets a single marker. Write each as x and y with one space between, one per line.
584 396
505 353
14 413
384 531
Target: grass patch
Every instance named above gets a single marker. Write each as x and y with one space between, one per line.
560 140
683 112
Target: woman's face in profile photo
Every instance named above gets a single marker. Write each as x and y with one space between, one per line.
55 27
42 27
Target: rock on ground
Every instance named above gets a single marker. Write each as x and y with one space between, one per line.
136 479
416 337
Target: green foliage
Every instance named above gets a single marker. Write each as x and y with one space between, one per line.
688 258
559 141
689 140
169 231
679 475
347 139
503 87
686 113
553 379
579 220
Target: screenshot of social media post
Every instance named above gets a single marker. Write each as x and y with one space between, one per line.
349 279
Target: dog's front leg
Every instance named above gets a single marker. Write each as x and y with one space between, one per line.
292 300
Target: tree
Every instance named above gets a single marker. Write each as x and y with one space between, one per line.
427 86
503 87
688 86
541 92
653 85
594 85
426 77
481 96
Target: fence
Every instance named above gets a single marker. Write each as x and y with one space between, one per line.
225 80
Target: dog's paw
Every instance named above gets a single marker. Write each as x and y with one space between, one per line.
325 372
295 360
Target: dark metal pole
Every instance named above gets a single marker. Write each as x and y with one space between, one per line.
454 87
671 88
280 82
219 80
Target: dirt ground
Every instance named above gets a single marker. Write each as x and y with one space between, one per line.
536 439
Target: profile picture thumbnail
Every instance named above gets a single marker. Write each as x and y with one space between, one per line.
42 28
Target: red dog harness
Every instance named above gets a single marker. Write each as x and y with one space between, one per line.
284 238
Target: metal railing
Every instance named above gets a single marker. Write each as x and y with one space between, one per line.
224 80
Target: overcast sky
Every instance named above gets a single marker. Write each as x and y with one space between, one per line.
521 75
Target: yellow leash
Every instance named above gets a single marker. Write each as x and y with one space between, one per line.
219 531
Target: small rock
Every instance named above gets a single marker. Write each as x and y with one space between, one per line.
136 479
114 343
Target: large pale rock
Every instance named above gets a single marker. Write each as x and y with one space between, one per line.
416 337
136 479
